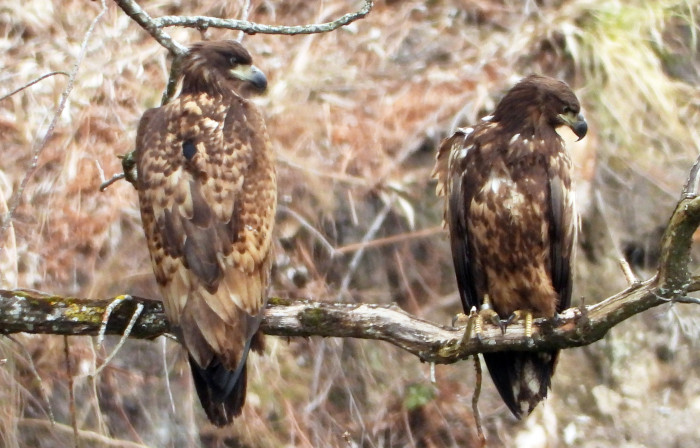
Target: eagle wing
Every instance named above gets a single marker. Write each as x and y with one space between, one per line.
207 191
563 221
452 156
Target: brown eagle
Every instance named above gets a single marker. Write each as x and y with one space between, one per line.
509 207
207 190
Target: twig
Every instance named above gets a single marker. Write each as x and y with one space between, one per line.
93 438
308 226
31 83
17 196
124 337
166 374
105 317
390 239
475 401
627 270
37 377
244 16
113 179
71 393
203 22
355 260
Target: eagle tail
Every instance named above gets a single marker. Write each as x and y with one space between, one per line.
522 378
222 391
211 383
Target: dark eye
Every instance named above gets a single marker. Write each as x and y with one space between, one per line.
568 110
233 61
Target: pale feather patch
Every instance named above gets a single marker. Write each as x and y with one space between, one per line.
466 131
461 153
192 107
514 138
209 124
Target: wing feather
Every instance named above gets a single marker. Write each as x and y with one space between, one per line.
562 229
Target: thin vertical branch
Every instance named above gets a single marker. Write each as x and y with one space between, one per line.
71 393
17 196
475 401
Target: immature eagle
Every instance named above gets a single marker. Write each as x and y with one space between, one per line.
509 206
207 190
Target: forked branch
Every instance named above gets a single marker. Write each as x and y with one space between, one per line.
154 26
33 312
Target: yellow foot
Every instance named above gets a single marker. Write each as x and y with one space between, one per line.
488 314
475 321
525 316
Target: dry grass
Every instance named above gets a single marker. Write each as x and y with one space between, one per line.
355 116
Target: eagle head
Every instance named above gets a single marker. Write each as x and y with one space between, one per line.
548 101
220 67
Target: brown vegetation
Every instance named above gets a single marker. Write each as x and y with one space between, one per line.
355 116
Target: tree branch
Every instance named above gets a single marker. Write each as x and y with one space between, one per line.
146 22
35 312
204 22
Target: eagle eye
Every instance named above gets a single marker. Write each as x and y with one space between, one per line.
233 61
568 109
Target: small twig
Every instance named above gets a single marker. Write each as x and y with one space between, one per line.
307 225
166 374
123 339
244 16
107 183
173 78
475 401
203 22
390 239
108 312
43 427
627 271
71 394
37 377
355 261
31 83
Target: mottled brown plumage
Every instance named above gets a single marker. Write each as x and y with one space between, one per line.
207 191
509 207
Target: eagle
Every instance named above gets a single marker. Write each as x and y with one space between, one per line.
207 192
511 216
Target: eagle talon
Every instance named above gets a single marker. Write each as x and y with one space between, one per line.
460 320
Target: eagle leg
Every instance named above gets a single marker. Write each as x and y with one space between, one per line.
475 321
473 325
487 313
525 316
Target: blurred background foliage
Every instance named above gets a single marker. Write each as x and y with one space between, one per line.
356 116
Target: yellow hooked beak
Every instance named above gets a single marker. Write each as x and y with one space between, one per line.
251 74
576 122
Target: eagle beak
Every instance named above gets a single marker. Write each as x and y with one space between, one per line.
577 124
251 74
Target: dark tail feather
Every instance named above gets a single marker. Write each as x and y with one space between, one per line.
221 391
522 378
